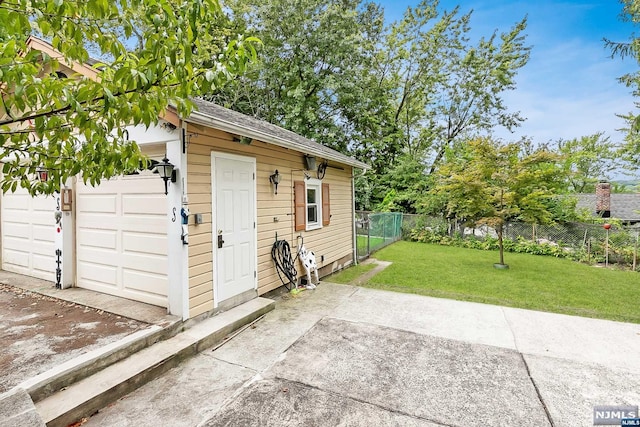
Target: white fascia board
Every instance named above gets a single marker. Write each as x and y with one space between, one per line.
206 120
153 134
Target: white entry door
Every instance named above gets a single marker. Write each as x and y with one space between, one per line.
234 234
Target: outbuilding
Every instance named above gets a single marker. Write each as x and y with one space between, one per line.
238 185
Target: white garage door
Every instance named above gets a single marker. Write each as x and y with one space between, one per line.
121 238
28 235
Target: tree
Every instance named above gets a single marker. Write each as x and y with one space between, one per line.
406 182
587 160
76 125
630 151
311 51
442 85
485 183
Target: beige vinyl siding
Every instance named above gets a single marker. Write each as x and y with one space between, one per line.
334 241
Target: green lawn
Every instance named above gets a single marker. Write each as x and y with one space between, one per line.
531 282
351 273
362 242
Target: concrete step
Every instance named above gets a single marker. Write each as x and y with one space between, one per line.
74 370
104 387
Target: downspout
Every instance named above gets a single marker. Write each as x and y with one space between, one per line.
353 217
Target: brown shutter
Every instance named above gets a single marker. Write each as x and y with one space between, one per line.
300 205
326 205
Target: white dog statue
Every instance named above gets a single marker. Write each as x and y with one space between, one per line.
308 260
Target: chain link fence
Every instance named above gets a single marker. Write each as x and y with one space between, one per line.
376 230
581 241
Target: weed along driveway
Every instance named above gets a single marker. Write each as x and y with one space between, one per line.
345 355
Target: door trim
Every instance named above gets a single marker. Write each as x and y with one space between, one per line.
214 235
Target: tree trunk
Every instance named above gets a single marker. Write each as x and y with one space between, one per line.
500 244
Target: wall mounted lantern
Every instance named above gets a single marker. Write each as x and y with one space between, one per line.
167 172
322 169
42 173
310 162
275 180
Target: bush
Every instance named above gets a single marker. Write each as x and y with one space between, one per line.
521 245
621 244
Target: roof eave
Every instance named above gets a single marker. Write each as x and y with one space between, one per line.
204 119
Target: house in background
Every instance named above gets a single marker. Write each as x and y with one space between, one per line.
206 245
622 206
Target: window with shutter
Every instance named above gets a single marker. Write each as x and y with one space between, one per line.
314 203
300 205
326 206
312 208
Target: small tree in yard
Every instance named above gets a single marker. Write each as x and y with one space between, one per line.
486 183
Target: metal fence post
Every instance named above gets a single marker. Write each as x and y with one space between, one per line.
368 234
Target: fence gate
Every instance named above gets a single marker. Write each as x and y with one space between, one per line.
376 230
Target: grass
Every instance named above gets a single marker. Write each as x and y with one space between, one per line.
374 242
351 273
532 282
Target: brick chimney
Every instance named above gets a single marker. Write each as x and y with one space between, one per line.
603 199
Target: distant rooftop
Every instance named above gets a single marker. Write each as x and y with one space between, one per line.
624 206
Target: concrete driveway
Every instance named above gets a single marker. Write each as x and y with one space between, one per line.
342 355
39 332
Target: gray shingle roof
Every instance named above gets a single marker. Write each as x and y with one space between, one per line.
231 121
624 206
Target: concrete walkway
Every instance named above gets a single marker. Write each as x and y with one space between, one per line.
342 355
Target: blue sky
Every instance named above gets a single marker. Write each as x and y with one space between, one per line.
569 88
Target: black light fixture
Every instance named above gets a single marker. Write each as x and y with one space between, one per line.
167 172
42 173
274 178
310 162
322 169
244 140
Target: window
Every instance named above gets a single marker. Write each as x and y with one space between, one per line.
314 203
311 204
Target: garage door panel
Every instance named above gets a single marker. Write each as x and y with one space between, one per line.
150 224
43 204
43 233
43 263
96 221
17 230
16 201
142 281
19 259
122 234
43 248
28 233
94 238
104 275
16 244
145 183
144 243
99 255
19 215
145 204
98 203
151 264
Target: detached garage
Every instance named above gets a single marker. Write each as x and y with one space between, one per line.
205 246
201 241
